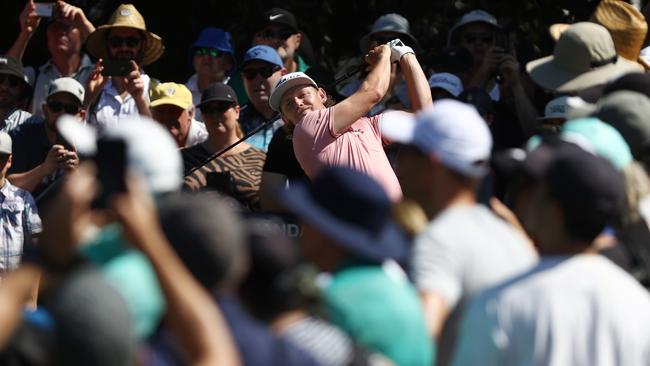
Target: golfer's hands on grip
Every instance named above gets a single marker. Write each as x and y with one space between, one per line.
398 49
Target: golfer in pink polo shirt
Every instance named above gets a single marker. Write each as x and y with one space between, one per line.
341 135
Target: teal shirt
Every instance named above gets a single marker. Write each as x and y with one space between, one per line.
380 310
132 275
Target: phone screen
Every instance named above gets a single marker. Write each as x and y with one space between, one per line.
111 167
114 67
503 40
44 9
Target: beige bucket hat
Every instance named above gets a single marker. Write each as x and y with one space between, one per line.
583 57
126 15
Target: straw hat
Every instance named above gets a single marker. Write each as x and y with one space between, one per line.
626 25
126 15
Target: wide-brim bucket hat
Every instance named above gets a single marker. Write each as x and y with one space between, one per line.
353 210
126 15
474 16
583 57
393 23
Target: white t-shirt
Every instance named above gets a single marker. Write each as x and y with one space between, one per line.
580 310
197 133
464 250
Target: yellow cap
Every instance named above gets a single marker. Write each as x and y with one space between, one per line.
171 93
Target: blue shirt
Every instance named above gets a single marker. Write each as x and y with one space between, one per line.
250 119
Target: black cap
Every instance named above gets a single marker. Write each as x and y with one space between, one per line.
218 92
479 98
278 16
636 81
12 66
578 178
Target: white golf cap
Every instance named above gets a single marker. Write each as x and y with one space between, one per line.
67 85
452 131
556 108
287 82
151 152
446 81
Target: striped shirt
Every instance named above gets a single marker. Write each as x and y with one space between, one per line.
326 343
19 220
238 175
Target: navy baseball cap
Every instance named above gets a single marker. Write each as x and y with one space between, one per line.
263 53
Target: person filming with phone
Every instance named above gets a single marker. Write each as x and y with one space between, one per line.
67 28
40 154
118 86
496 70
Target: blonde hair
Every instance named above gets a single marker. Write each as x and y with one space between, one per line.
290 126
410 216
637 187
238 131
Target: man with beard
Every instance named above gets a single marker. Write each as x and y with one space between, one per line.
124 38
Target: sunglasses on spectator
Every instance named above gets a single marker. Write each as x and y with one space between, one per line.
216 107
57 107
213 52
13 81
281 34
471 38
130 42
265 72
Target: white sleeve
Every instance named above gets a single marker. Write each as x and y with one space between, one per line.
437 266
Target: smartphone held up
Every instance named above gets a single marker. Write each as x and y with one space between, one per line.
116 67
111 163
44 9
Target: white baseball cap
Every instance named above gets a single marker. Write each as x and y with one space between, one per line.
287 82
446 81
67 85
556 108
452 131
151 152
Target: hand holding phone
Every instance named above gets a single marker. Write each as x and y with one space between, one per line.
116 67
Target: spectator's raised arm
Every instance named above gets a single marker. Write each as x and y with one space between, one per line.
192 315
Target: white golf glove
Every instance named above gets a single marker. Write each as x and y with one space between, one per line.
398 49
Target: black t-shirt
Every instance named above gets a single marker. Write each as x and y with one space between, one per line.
506 130
281 159
30 146
194 156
